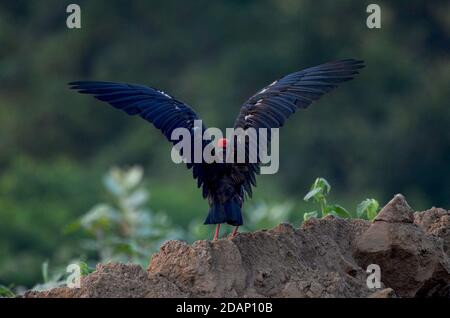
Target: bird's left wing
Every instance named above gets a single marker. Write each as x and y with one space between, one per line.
271 106
162 110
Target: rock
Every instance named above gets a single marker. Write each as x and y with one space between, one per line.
326 257
384 293
282 262
197 269
114 280
435 222
411 261
396 211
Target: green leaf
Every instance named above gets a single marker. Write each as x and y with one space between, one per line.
318 191
323 184
362 208
6 292
371 215
339 211
85 269
132 177
310 215
137 198
326 210
368 208
113 181
100 217
312 193
372 211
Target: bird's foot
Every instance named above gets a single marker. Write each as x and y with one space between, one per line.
216 235
235 232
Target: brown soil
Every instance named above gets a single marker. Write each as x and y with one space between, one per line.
324 258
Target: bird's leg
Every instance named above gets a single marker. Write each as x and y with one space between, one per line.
235 231
216 236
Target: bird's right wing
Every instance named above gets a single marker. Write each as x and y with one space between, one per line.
162 110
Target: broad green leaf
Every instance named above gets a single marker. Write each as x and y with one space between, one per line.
371 215
342 211
372 211
339 211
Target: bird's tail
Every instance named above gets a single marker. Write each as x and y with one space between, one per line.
229 212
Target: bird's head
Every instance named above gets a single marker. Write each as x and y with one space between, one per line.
222 143
222 148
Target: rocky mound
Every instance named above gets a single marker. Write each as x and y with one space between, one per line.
324 258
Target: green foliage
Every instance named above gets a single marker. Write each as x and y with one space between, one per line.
124 229
309 215
6 292
37 201
51 278
85 269
56 277
368 208
319 192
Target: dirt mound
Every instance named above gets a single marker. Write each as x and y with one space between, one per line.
324 258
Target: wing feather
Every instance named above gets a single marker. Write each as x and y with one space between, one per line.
274 104
162 110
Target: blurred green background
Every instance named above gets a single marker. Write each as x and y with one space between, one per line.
385 132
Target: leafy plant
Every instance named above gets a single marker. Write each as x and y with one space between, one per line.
319 192
125 230
309 215
6 292
368 208
57 276
50 278
85 269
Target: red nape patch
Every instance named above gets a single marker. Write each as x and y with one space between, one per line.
222 143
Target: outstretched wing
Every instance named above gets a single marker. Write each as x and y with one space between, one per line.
163 111
271 106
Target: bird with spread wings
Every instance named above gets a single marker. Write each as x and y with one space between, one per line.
225 185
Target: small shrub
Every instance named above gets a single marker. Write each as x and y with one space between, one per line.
6 292
125 229
319 192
